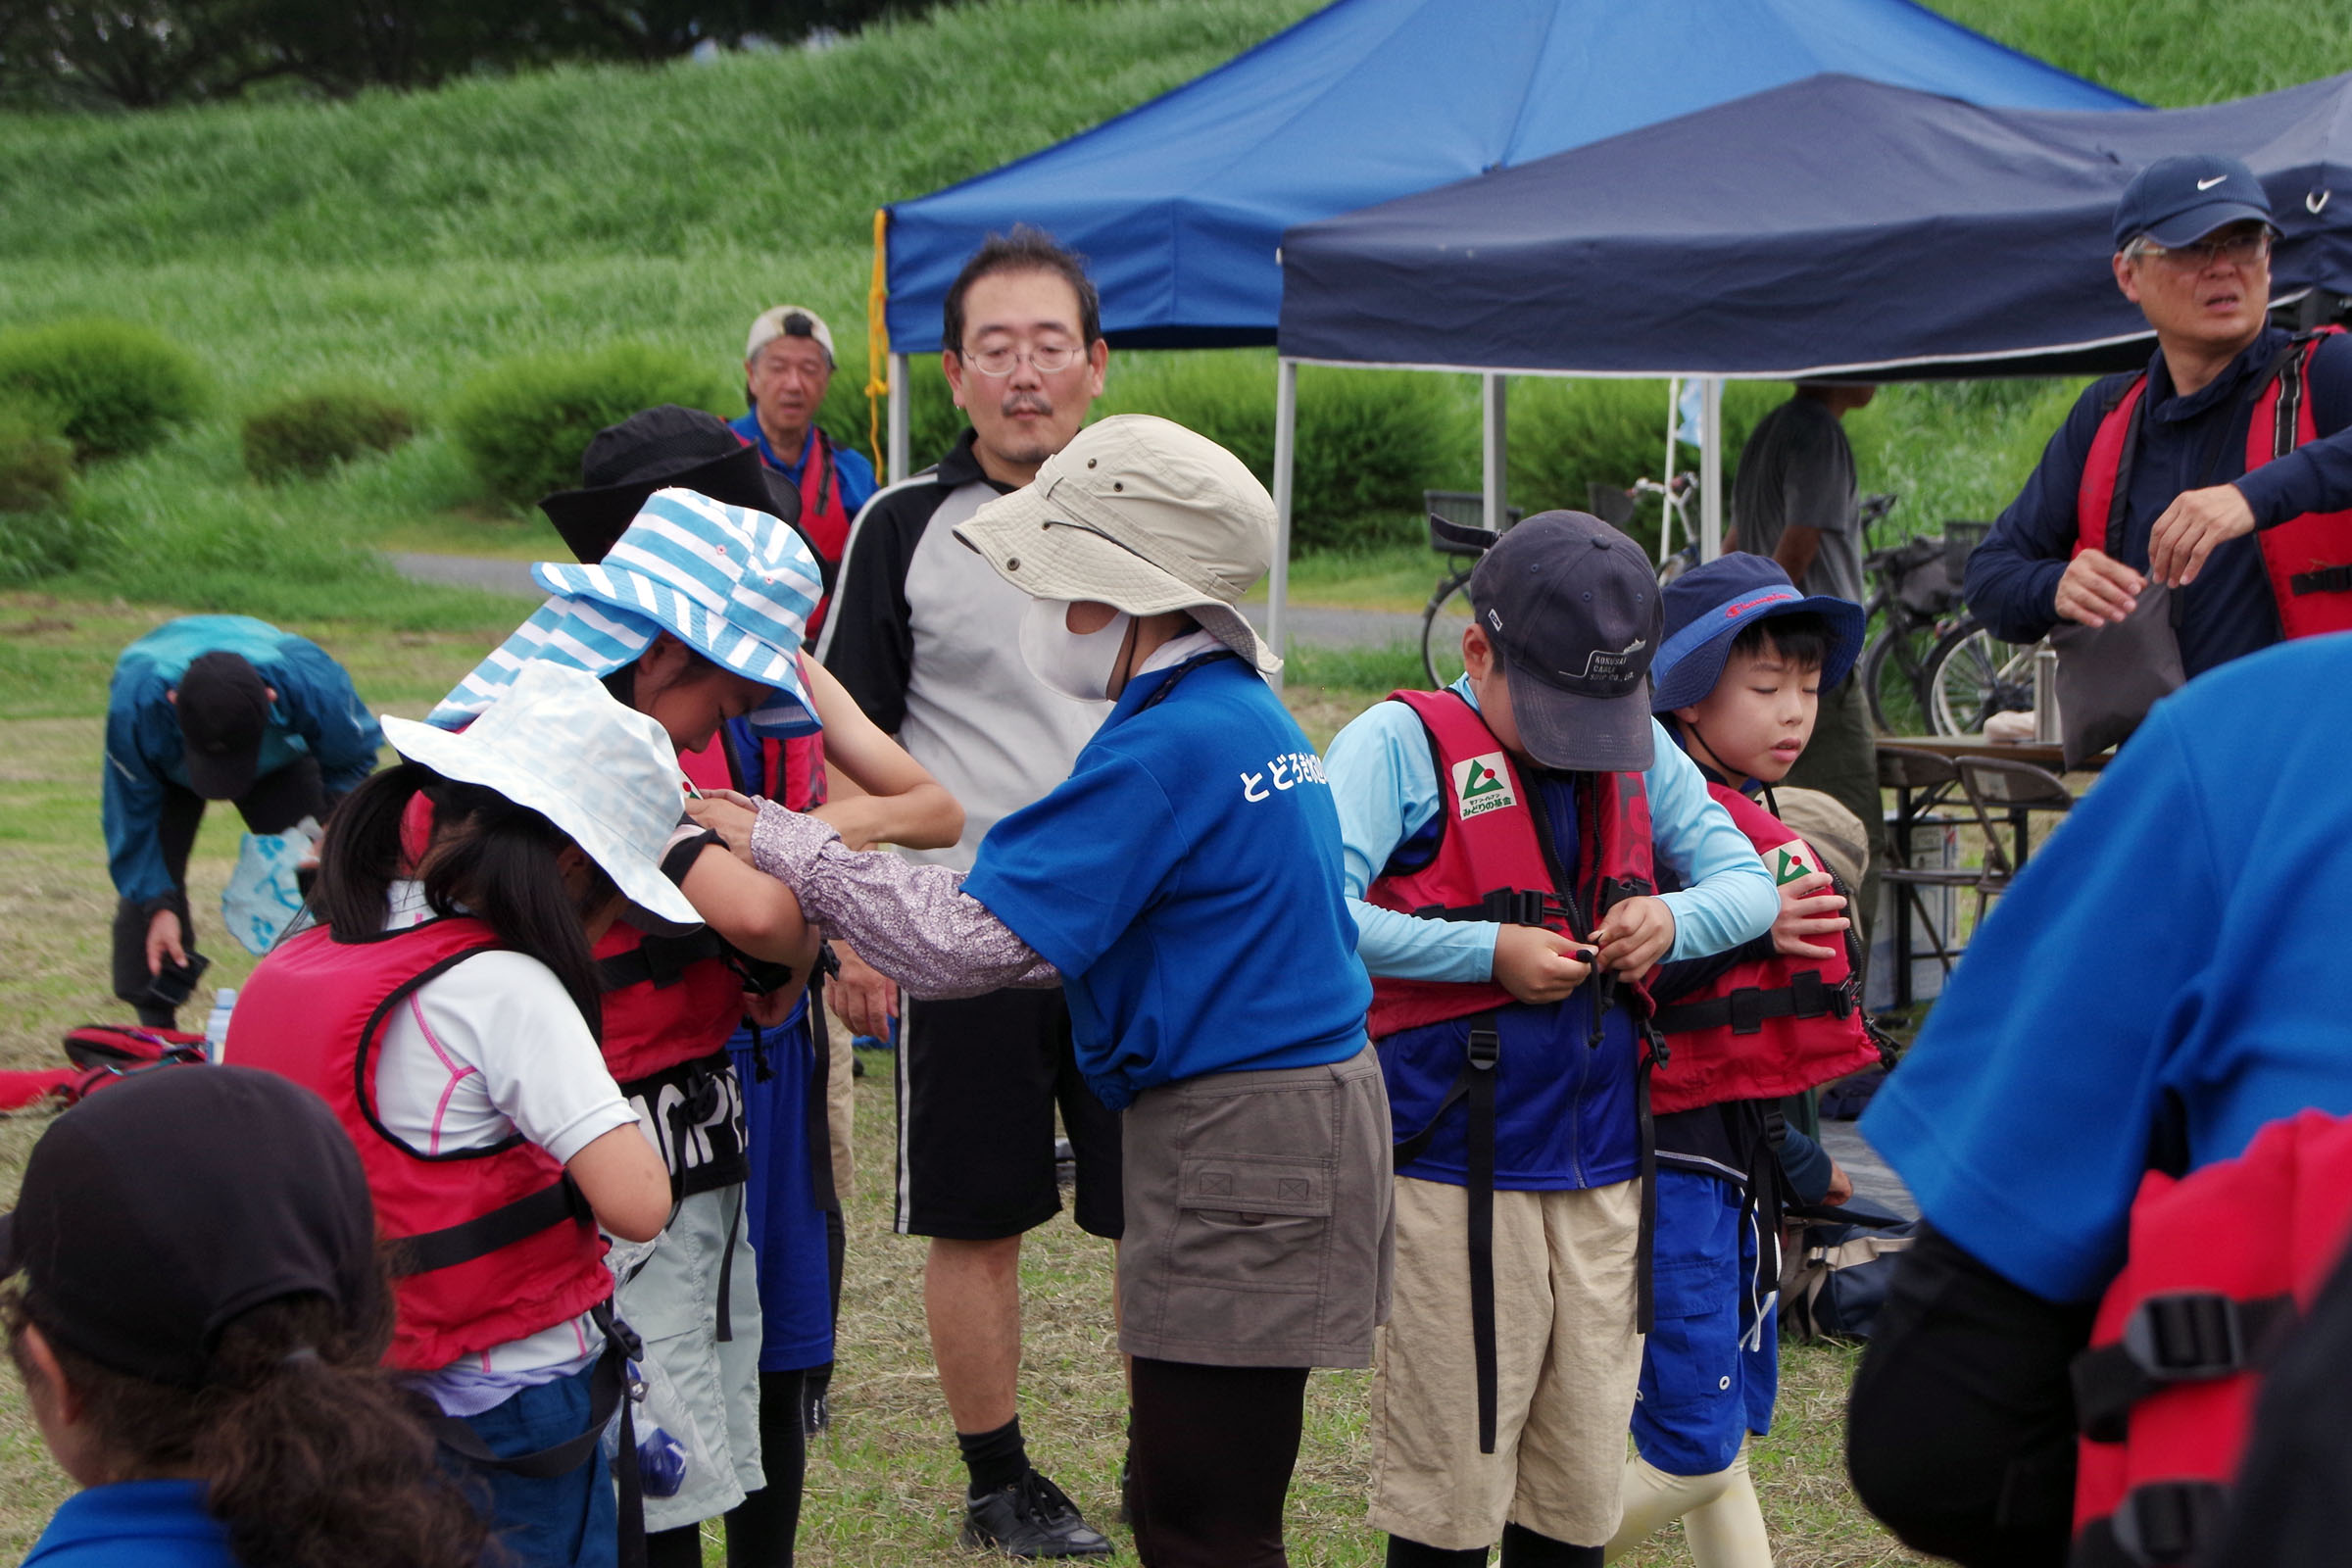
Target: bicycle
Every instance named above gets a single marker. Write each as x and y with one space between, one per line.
1461 541
1932 667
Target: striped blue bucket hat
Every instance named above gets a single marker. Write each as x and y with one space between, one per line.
735 586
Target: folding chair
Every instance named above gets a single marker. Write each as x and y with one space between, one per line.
1920 780
1997 787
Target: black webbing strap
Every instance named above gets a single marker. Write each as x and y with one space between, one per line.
726 1271
1745 1011
1645 1235
2325 580
551 1205
610 1389
660 961
2159 1524
2187 1337
1505 907
1484 1050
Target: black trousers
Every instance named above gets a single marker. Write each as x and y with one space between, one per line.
1211 1450
276 803
1960 1430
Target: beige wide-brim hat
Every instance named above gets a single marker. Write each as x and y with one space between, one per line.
1142 515
559 743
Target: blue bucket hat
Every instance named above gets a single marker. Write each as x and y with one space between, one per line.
733 584
1708 606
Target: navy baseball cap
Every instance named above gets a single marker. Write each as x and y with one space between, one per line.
223 708
2178 201
1709 606
1571 605
172 1202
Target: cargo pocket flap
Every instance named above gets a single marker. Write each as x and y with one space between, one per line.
1233 1183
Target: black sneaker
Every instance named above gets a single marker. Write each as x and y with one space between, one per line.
1031 1518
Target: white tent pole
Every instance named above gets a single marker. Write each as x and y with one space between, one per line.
1286 457
898 417
1710 469
1492 401
1666 514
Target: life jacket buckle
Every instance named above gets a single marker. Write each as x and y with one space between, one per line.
1484 1050
2168 1521
1524 906
2188 1337
2324 580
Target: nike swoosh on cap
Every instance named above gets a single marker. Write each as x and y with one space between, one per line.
2208 184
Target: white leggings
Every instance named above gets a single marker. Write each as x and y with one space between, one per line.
1720 1515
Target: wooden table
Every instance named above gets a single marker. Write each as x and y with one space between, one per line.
1911 804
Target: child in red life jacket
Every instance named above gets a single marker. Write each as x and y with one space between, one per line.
689 603
447 1012
1739 674
1503 840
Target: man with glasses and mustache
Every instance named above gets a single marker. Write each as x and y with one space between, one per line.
2160 476
927 638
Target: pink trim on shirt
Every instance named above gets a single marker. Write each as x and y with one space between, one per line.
457 1075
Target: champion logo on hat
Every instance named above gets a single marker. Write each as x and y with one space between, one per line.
1483 784
1732 612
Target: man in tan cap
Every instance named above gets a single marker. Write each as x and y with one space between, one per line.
787 365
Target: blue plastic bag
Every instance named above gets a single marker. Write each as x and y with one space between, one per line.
263 892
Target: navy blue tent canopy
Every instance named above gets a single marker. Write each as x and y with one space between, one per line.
1179 204
1833 226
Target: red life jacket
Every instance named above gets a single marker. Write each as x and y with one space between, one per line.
1767 1028
2220 1264
490 1245
2307 559
824 519
1492 861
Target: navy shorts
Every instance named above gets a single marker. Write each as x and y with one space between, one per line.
1712 1364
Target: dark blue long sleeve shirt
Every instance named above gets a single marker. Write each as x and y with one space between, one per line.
318 714
2185 443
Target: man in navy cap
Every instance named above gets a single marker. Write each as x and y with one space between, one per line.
2215 471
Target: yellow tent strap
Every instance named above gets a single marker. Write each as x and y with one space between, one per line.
877 342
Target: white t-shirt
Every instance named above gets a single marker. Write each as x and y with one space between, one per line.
488 1048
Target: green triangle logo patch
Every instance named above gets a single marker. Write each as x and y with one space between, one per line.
1483 784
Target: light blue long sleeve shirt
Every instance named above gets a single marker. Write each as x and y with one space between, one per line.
1386 786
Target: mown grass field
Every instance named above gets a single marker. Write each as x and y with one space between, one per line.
883 1486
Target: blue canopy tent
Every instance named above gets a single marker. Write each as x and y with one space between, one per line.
1180 203
1834 227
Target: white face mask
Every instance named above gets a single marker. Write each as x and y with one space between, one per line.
1077 665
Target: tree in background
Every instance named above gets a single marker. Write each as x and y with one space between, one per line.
144 54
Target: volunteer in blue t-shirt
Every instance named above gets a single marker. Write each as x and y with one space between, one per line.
1183 886
2164 977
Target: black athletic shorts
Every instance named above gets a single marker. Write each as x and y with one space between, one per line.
978 1081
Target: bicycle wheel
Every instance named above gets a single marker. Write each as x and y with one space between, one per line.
1441 626
1972 677
1890 671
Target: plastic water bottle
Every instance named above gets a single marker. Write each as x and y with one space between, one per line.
215 1027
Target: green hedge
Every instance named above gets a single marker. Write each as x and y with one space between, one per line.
116 388
308 434
40 532
523 424
1567 434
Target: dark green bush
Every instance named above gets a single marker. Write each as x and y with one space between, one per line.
117 388
40 532
1566 434
523 424
1369 441
306 435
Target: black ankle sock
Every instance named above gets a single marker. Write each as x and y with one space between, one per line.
1522 1548
1403 1553
995 1459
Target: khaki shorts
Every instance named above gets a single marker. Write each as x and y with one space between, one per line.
1257 1217
1566 1360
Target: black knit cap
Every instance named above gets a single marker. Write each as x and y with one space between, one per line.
174 1201
653 449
